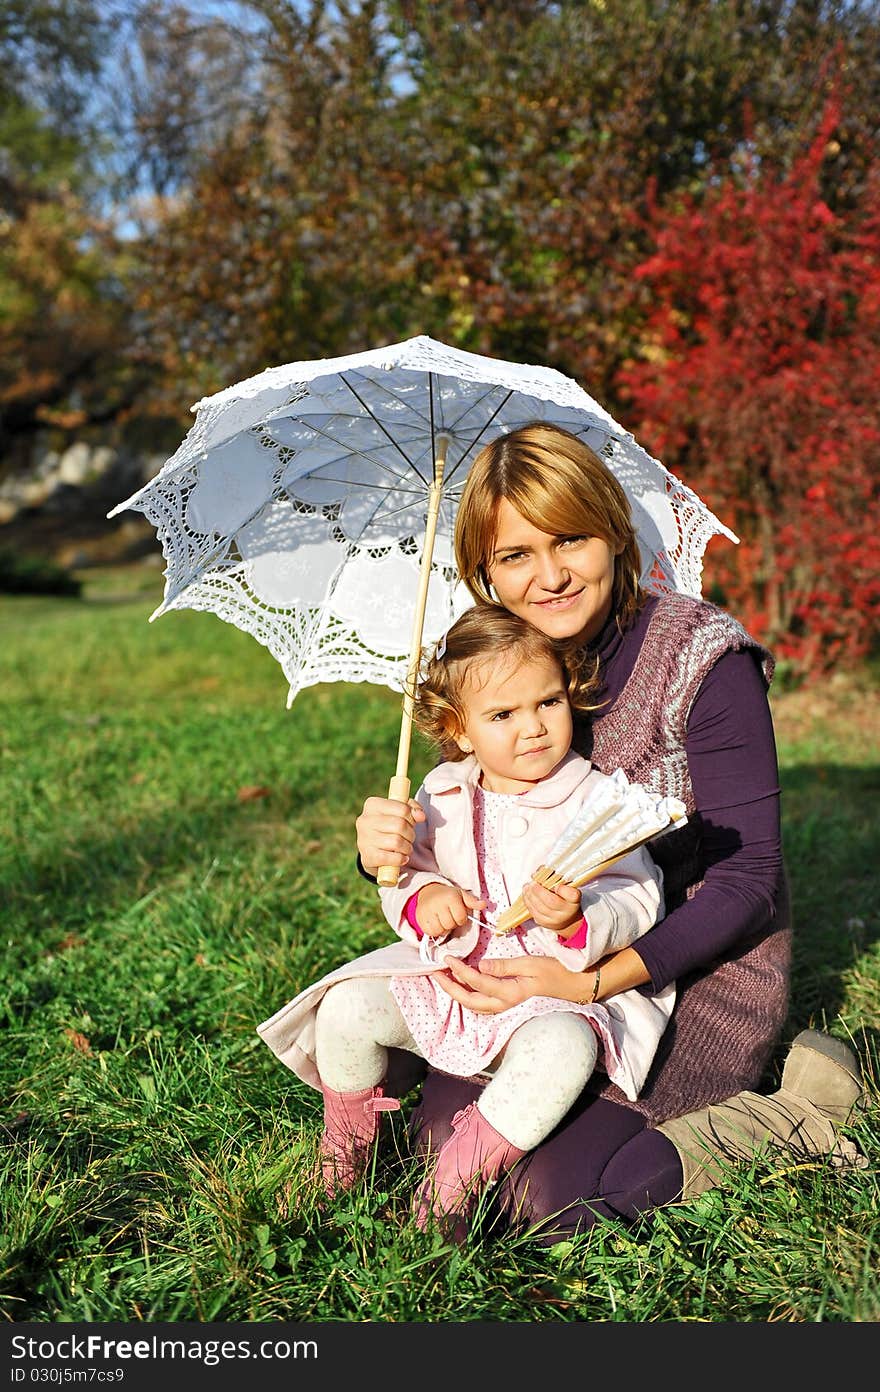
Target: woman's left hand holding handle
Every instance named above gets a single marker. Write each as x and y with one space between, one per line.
386 830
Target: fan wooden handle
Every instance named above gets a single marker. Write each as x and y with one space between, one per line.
398 791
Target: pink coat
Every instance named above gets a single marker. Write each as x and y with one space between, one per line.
619 906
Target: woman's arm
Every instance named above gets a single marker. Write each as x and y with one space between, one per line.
732 762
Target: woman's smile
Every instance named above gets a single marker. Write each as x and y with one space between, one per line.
558 602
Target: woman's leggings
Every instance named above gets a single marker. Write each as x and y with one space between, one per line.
601 1161
544 1066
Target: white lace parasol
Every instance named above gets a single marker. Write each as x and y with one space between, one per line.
314 505
295 508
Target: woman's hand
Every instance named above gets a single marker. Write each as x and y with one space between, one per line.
505 981
386 830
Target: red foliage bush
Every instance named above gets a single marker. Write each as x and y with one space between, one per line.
758 382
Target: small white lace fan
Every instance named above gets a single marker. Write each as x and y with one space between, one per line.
616 818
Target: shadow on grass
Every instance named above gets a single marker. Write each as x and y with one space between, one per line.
110 869
830 831
191 920
831 836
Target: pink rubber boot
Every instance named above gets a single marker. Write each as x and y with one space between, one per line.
351 1131
472 1158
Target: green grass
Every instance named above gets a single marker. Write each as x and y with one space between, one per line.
157 1160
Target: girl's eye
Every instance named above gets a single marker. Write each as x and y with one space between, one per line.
573 540
552 701
512 556
500 715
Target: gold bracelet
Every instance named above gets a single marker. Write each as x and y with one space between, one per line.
596 985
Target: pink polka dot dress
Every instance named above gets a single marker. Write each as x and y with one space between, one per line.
465 1042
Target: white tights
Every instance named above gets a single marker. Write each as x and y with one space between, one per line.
542 1070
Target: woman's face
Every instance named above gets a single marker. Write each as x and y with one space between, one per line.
562 585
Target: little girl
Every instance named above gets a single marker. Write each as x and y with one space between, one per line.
496 699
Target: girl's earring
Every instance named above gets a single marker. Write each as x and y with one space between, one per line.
465 745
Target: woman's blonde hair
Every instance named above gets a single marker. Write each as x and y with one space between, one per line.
483 634
561 486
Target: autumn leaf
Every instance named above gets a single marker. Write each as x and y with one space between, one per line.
761 296
78 1041
252 792
68 941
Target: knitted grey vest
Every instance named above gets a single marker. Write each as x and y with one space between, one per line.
727 1018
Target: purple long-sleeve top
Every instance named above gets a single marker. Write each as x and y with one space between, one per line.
731 755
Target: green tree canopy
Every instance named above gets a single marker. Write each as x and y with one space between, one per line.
479 171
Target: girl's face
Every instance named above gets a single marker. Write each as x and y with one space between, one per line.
518 721
561 585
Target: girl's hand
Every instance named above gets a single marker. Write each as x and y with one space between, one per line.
558 909
441 908
386 830
505 981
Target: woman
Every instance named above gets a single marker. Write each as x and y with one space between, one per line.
544 529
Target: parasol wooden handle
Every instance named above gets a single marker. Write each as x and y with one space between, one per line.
398 790
388 875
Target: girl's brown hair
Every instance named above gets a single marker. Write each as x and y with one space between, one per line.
482 634
561 486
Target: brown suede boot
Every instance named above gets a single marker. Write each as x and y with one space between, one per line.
820 1088
826 1071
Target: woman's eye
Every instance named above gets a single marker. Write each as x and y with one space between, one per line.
512 556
